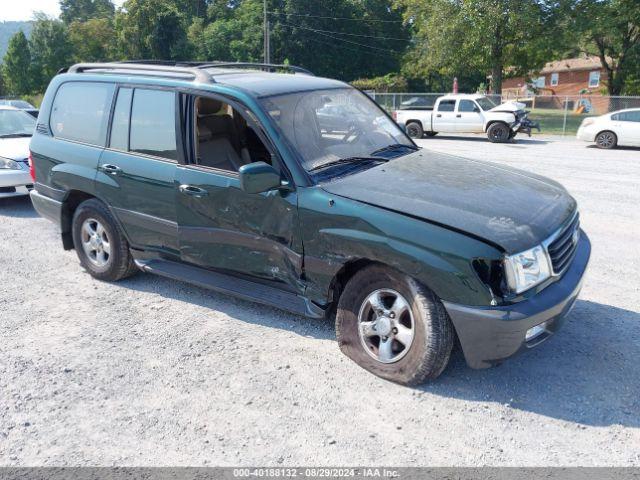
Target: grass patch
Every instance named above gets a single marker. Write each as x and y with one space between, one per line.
552 121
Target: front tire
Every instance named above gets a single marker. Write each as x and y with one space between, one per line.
101 247
414 130
498 132
606 140
394 327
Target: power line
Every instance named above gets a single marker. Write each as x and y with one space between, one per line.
336 18
351 34
357 50
320 32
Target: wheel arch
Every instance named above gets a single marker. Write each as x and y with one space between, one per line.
491 122
348 270
72 200
607 130
414 120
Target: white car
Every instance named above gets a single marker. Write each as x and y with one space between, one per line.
612 129
464 113
16 129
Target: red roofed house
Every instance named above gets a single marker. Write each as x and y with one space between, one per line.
581 79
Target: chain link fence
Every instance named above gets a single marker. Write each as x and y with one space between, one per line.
557 114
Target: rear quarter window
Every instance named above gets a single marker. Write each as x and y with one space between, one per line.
80 112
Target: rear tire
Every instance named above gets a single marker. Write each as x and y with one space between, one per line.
498 132
101 247
606 140
409 358
414 130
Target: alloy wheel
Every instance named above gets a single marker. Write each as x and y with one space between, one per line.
95 242
606 140
385 325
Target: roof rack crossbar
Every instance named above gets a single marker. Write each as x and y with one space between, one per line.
197 73
264 66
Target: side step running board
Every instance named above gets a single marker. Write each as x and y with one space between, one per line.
230 285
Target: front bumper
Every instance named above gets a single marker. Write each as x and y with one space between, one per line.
585 134
14 182
525 126
489 335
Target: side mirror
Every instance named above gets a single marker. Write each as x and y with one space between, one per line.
259 177
476 109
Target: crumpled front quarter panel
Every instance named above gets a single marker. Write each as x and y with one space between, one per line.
337 230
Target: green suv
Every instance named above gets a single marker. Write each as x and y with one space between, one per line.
300 192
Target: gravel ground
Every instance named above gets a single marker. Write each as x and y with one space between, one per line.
155 372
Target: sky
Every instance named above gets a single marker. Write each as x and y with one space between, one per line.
23 9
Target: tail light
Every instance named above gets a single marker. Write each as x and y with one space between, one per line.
588 121
32 168
394 115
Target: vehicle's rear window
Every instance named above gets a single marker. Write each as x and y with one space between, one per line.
153 123
80 112
446 105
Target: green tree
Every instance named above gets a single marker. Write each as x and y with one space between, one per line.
50 50
92 40
345 39
16 67
154 29
234 33
83 10
609 29
478 36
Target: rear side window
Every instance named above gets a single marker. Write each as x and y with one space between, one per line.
120 124
153 123
446 105
80 112
633 116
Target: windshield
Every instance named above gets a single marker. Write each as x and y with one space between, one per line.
485 103
326 126
16 123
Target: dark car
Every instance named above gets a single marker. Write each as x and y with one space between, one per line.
220 175
20 105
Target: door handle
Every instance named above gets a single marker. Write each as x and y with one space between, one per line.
438 115
459 115
111 169
193 191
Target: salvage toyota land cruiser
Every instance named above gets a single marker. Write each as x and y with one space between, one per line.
299 192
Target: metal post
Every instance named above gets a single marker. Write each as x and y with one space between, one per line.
564 120
267 46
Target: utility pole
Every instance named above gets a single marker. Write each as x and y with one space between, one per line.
267 46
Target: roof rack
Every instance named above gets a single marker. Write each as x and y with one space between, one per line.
195 69
145 66
262 66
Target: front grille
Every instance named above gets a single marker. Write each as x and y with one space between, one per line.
562 247
7 189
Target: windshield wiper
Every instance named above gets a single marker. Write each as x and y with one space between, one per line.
347 160
395 146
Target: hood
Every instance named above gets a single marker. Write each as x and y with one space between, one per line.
512 209
15 148
510 106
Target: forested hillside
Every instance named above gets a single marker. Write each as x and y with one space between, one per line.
8 29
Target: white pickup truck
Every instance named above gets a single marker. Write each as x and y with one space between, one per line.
463 113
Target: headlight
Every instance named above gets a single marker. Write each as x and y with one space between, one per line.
527 269
7 163
588 121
